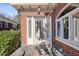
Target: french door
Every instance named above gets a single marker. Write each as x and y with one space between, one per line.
38 29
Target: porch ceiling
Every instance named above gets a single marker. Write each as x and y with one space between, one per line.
33 7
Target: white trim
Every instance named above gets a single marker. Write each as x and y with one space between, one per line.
70 32
51 30
69 43
74 28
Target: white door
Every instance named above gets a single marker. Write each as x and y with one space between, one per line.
39 29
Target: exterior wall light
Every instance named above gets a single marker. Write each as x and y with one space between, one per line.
39 9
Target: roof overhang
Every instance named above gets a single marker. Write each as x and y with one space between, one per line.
33 7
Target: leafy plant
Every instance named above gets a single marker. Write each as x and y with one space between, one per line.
9 42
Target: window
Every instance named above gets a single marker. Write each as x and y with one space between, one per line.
66 28
6 25
63 28
1 24
29 27
69 28
58 28
9 25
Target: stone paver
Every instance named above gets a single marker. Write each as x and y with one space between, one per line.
31 51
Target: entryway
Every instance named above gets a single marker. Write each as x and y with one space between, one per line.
38 29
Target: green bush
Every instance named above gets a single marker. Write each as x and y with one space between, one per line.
9 42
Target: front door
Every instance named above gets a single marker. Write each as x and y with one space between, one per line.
38 30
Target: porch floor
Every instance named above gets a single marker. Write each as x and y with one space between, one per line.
38 50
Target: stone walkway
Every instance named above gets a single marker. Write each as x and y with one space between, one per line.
38 50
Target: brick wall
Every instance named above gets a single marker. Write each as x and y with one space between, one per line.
58 8
67 49
23 30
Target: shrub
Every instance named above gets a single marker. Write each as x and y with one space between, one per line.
9 42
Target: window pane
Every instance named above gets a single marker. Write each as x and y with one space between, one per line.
0 24
6 25
58 28
66 28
